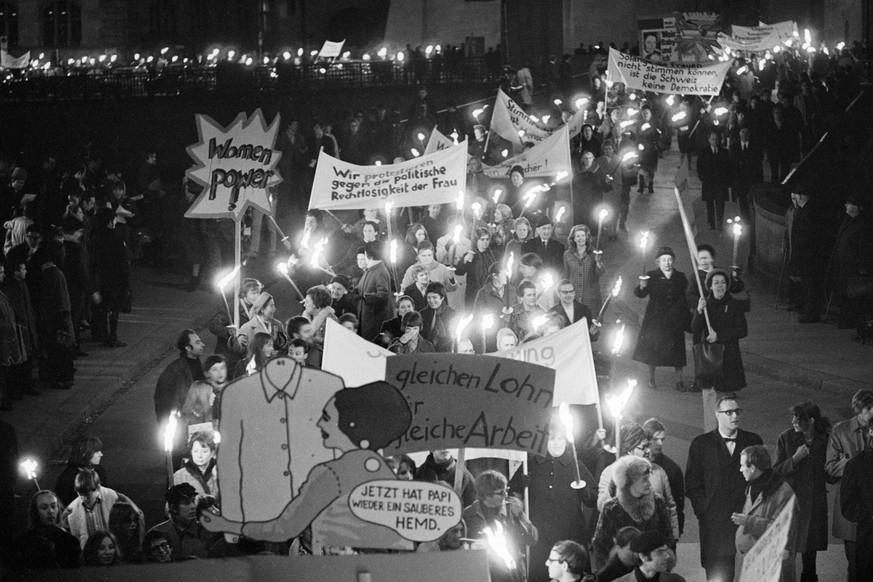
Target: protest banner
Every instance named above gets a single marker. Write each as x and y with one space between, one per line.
695 36
437 178
764 561
437 142
235 165
509 119
758 38
568 352
687 79
460 400
7 61
544 159
656 37
331 49
418 511
351 357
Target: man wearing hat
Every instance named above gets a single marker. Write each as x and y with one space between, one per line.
852 256
547 248
341 299
187 537
806 253
653 559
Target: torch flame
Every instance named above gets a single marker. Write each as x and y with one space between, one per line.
388 207
560 176
644 240
460 201
560 213
487 321
463 323
316 253
304 240
547 281
227 279
509 263
617 288
477 209
456 234
617 403
629 156
496 196
282 267
29 466
566 419
393 252
679 116
601 216
619 341
170 431
497 543
539 321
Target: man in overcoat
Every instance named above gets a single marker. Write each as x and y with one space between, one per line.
716 487
376 303
714 171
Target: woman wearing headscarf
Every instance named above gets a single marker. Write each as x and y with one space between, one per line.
801 452
662 334
263 320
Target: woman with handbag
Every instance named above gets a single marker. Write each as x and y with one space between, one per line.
718 363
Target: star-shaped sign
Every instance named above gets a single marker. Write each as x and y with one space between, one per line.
236 165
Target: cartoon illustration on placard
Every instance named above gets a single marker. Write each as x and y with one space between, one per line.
353 500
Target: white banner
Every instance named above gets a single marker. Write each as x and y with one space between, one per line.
331 49
543 160
758 38
437 178
351 357
7 61
764 561
568 352
236 165
437 142
686 79
509 119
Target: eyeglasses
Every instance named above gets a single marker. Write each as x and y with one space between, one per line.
550 559
731 412
161 547
643 447
566 291
503 493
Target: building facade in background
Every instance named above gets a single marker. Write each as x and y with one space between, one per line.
526 28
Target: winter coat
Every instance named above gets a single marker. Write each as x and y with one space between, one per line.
110 269
729 323
808 479
761 512
806 242
376 303
438 326
585 275
552 253
173 385
660 485
12 347
477 273
647 513
716 489
714 171
845 442
856 505
662 333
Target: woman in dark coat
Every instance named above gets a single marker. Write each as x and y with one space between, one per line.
800 458
111 274
555 507
476 264
852 256
662 334
86 453
728 320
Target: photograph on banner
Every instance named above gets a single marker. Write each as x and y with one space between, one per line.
696 36
277 482
351 357
656 37
460 401
331 49
543 160
235 165
433 179
568 352
691 79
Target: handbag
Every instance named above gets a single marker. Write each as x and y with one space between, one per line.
708 363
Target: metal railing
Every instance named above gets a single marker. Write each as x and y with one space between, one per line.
193 79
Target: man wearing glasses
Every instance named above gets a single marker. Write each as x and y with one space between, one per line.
567 562
571 310
716 487
493 507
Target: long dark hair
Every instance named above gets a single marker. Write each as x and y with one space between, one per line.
805 411
83 449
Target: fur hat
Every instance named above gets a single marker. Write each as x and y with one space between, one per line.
262 300
665 251
628 469
342 280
